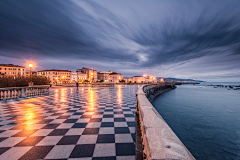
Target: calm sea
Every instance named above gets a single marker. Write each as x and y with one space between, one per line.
206 119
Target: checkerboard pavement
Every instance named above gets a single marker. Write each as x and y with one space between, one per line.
96 123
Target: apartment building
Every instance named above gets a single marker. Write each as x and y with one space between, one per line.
12 70
115 77
74 77
103 76
90 73
56 75
128 79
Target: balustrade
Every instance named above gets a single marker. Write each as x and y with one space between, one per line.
22 92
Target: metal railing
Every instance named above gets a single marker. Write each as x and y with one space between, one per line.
22 92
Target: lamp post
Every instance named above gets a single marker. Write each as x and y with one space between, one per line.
30 66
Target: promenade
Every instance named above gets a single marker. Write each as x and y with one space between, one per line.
96 123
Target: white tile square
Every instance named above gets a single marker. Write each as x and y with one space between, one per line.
104 150
15 153
57 121
60 151
120 124
108 120
12 141
36 126
93 125
75 131
83 120
132 129
87 139
106 130
42 132
50 140
118 115
97 116
9 133
65 125
130 119
126 158
123 138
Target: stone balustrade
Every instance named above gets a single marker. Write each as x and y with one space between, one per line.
154 138
22 92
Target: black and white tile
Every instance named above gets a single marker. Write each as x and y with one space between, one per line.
96 123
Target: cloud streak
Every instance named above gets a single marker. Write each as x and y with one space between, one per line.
145 37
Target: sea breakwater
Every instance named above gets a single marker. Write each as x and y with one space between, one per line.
154 138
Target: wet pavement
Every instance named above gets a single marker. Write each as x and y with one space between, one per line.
96 123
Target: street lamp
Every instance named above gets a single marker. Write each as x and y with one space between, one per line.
30 66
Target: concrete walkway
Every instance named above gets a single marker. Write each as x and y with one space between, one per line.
96 123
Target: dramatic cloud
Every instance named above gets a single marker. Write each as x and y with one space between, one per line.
184 39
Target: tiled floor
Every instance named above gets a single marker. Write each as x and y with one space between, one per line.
96 123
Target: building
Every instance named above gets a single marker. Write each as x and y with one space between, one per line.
103 76
74 77
32 73
12 70
115 77
56 75
82 77
91 73
138 79
128 79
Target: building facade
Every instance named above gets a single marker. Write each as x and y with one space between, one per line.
74 77
91 73
103 76
128 79
138 79
82 77
56 76
115 77
12 70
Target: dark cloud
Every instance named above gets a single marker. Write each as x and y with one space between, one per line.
145 37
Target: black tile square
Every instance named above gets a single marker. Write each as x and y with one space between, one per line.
131 124
78 113
45 121
70 121
58 132
121 130
63 117
88 131
2 131
37 152
118 112
107 124
106 138
108 116
25 133
126 110
129 115
98 113
108 110
4 149
119 120
79 125
69 140
50 126
134 137
125 149
86 116
95 120
30 141
2 139
85 150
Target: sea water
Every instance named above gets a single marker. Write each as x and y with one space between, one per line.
206 119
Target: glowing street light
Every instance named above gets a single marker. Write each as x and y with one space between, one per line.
30 65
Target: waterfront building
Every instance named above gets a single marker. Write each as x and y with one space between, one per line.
12 70
128 79
82 77
115 77
74 77
138 79
56 75
91 73
32 73
104 75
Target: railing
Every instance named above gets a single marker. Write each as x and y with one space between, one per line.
156 138
22 92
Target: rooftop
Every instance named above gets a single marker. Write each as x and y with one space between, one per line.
10 65
60 70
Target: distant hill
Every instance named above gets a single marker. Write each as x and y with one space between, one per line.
179 79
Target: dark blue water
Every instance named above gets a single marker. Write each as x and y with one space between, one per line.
206 119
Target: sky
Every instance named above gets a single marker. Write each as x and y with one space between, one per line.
181 39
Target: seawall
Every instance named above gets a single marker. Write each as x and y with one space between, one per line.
154 138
